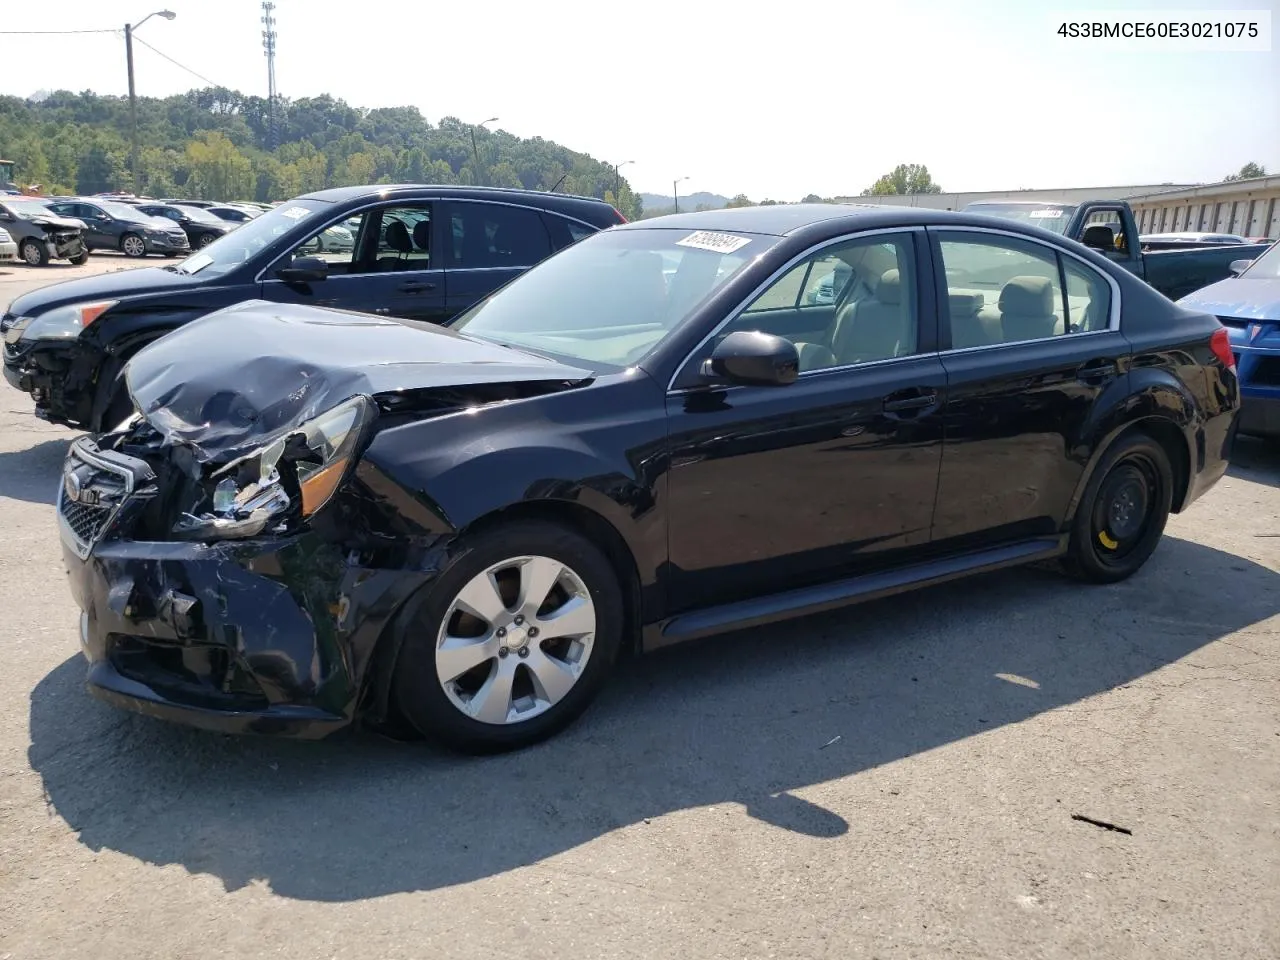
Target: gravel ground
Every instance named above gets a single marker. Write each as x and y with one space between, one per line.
902 779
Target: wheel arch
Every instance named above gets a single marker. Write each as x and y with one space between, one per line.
1169 432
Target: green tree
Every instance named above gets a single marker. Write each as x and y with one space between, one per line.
219 171
905 178
1248 172
97 171
740 201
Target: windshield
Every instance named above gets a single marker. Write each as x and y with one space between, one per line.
1047 216
123 211
1267 266
251 238
27 208
612 298
198 213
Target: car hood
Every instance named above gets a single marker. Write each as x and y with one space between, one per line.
239 378
1241 297
106 286
53 220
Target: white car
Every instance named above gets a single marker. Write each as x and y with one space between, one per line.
8 249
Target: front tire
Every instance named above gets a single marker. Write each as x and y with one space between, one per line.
34 254
133 246
512 641
1123 512
206 239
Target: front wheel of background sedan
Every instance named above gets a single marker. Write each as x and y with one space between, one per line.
206 239
133 245
512 641
1123 512
34 254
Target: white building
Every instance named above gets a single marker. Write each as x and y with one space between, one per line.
1247 207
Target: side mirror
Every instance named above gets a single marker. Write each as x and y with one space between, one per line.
752 357
305 270
1238 267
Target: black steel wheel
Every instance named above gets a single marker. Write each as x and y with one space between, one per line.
1123 512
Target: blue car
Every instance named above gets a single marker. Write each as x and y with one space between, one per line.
1248 305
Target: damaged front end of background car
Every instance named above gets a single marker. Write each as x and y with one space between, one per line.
234 568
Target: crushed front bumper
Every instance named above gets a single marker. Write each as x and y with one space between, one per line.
270 635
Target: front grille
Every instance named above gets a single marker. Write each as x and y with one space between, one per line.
87 521
1265 372
91 494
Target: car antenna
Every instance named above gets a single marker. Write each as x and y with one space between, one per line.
557 186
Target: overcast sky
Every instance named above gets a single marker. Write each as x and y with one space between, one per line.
769 99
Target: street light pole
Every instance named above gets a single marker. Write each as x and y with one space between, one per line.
675 194
474 151
617 180
133 97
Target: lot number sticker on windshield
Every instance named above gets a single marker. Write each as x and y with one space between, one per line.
1045 214
715 242
295 213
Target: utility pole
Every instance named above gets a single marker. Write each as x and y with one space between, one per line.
269 48
617 181
133 98
133 111
675 193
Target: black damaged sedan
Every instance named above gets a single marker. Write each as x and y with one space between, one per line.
671 429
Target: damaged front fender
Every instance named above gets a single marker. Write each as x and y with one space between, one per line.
262 636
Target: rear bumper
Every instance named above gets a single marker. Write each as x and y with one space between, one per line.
8 252
1260 411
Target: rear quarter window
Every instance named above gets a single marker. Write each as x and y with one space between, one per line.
565 232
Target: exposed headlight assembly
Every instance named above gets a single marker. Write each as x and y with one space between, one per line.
293 476
60 323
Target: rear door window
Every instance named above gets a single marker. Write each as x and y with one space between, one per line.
487 235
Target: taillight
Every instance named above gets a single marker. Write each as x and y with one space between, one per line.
1220 344
618 214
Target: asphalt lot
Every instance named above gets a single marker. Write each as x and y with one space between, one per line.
896 780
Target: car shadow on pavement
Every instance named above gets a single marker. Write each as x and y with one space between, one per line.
32 473
746 719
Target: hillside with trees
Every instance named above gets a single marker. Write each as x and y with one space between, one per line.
216 144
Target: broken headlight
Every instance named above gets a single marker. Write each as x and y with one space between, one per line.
293 476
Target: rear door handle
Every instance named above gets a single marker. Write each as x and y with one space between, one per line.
414 286
905 401
1096 370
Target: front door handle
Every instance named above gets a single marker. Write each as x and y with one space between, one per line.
906 401
415 286
1096 371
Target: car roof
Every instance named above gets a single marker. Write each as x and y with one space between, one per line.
784 219
541 198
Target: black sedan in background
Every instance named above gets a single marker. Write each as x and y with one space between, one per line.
200 226
418 252
113 225
655 435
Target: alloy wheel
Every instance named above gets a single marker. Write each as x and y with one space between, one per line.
515 640
134 247
31 253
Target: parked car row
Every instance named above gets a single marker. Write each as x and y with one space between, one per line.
446 476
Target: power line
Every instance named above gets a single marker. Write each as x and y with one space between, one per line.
10 33
175 62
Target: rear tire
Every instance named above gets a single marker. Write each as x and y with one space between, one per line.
551 673
34 254
133 246
1123 512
